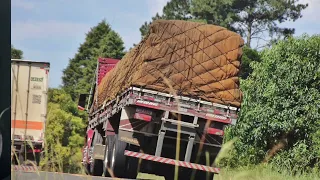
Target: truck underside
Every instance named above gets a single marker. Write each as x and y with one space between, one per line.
149 131
26 152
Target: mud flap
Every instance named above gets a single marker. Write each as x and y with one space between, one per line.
98 151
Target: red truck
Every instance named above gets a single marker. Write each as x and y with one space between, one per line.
145 124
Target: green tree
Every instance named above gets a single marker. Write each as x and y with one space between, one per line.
251 18
249 56
144 29
60 96
111 46
281 106
81 68
217 12
64 135
173 10
16 53
177 9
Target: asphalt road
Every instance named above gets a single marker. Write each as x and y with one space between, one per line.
20 175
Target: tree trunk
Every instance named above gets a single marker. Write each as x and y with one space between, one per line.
249 34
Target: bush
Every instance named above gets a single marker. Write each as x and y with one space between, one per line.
281 107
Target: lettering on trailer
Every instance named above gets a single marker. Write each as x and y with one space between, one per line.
143 111
148 103
37 79
36 87
36 99
182 109
216 116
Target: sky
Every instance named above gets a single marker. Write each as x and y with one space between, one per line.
52 30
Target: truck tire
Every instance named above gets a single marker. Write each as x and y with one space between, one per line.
1 143
5 157
87 169
204 175
121 165
37 159
21 156
108 154
96 166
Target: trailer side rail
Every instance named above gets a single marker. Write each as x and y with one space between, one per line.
166 102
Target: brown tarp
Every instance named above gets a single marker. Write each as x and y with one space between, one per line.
196 59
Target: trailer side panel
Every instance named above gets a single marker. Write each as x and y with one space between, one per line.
29 100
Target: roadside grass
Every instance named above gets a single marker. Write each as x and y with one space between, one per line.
262 172
258 172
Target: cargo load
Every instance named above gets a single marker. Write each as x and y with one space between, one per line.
192 59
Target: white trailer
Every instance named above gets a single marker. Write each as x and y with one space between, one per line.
29 87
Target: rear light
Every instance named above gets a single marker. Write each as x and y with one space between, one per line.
17 137
143 117
214 131
80 108
34 151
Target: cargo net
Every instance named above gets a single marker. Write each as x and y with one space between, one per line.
193 59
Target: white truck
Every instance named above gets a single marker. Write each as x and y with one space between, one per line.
29 87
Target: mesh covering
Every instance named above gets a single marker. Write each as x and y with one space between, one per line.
197 60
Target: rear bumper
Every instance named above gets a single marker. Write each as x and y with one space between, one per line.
172 162
19 142
24 168
32 146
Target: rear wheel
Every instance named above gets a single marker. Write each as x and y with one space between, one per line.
204 175
107 156
32 159
86 166
96 165
21 156
121 165
87 169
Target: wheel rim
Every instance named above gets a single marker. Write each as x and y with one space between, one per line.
91 160
106 158
113 157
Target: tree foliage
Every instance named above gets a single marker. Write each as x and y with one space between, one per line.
65 126
111 46
282 107
144 29
64 135
251 18
16 53
177 9
174 9
217 12
101 41
249 56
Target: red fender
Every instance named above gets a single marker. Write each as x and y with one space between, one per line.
90 133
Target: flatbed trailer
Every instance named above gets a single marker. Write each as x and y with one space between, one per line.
146 124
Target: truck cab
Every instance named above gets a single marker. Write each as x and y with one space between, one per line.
104 65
